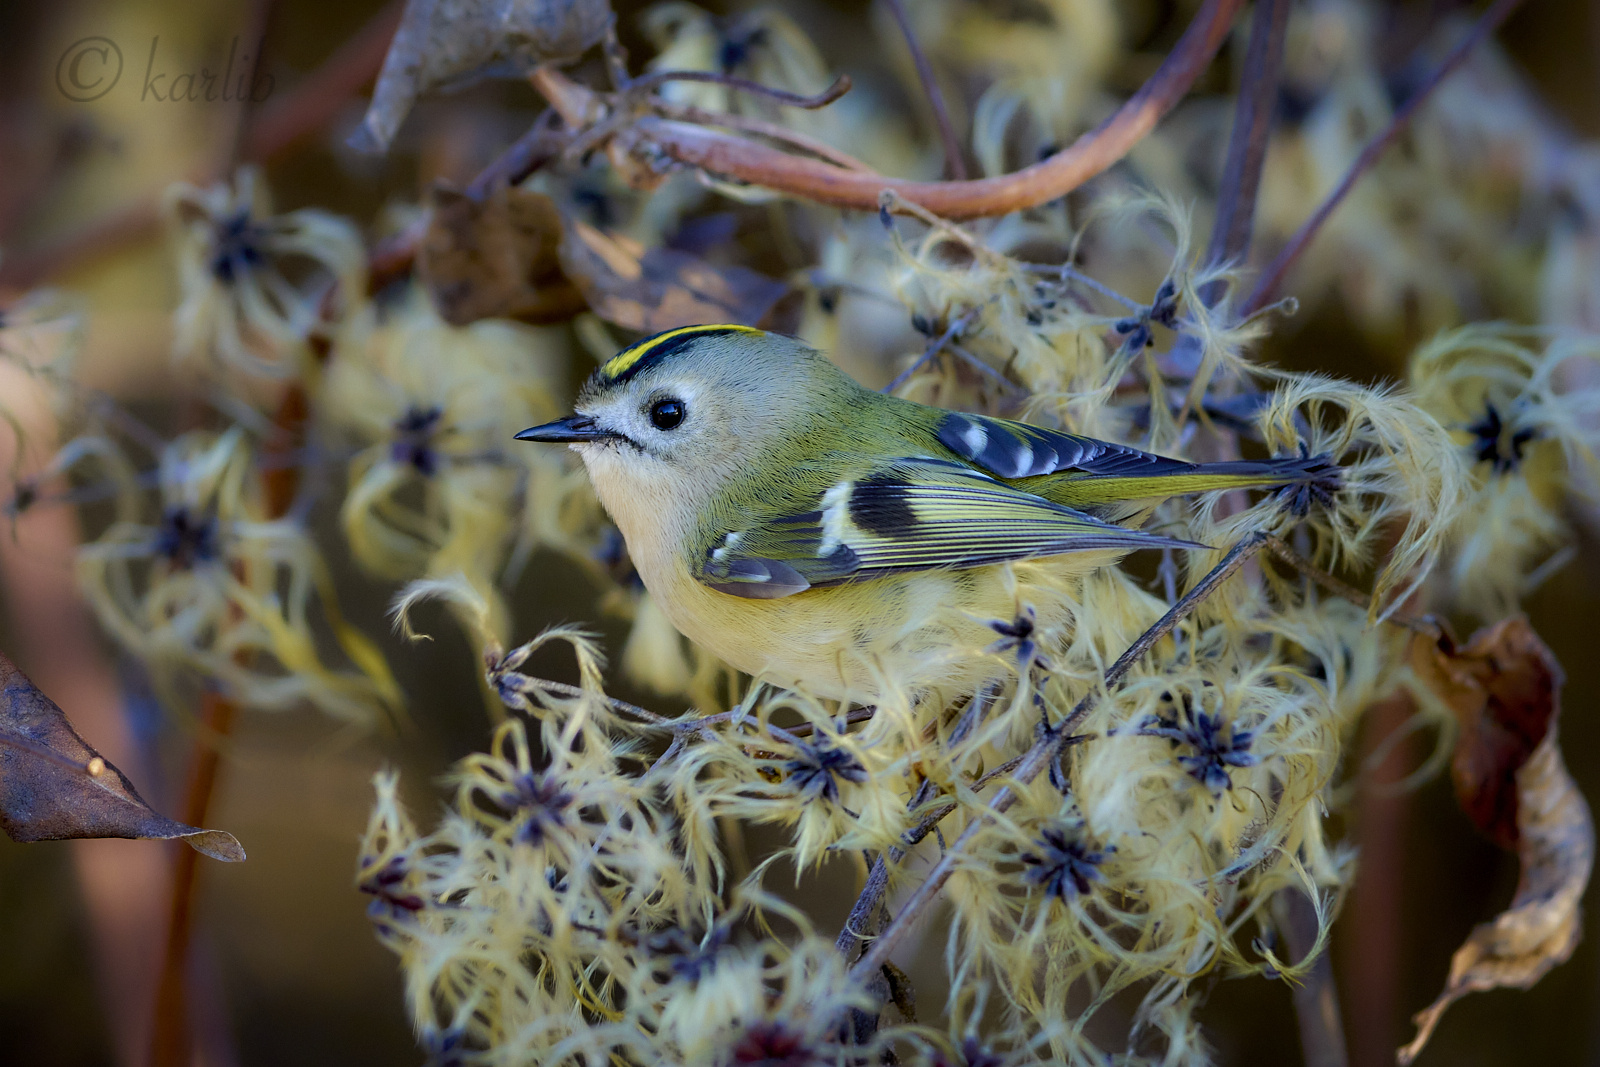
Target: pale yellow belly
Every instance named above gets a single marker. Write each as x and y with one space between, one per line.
927 629
910 633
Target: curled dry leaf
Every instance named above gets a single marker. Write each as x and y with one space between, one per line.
53 786
1504 687
662 288
443 44
496 257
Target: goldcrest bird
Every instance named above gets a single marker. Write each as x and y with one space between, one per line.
812 532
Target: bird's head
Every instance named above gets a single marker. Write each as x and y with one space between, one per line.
700 401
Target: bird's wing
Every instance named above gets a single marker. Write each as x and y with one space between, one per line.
909 515
1017 450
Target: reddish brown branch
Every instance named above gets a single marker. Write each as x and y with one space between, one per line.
1273 276
1091 154
1316 998
170 1042
1375 926
172 1030
954 166
745 124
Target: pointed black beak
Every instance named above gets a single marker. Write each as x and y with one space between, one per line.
571 428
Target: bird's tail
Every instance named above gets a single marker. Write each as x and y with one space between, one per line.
1302 481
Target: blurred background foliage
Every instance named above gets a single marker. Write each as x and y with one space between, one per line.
290 970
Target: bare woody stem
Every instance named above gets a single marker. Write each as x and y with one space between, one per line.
1273 276
951 332
1424 624
1316 1001
171 1037
954 166
543 142
1316 997
1044 751
611 702
1252 122
762 128
1091 154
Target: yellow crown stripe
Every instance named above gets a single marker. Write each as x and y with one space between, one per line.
629 358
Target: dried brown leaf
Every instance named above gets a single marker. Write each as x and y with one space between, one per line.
442 44
662 288
53 786
496 257
1504 687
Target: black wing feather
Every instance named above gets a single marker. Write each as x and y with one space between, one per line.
1012 450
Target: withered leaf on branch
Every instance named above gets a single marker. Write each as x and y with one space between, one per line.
496 258
1504 687
53 786
662 288
444 44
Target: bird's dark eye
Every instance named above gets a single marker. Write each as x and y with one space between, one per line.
666 414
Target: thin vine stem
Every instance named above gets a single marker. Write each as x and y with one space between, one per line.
1272 277
1252 123
951 332
955 167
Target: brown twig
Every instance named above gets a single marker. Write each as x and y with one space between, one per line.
853 716
932 349
1252 123
543 142
234 118
1316 998
172 1031
1375 926
171 1039
954 166
615 56
1273 276
116 228
761 128
1091 154
1044 751
392 257
1423 624
1236 203
616 705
